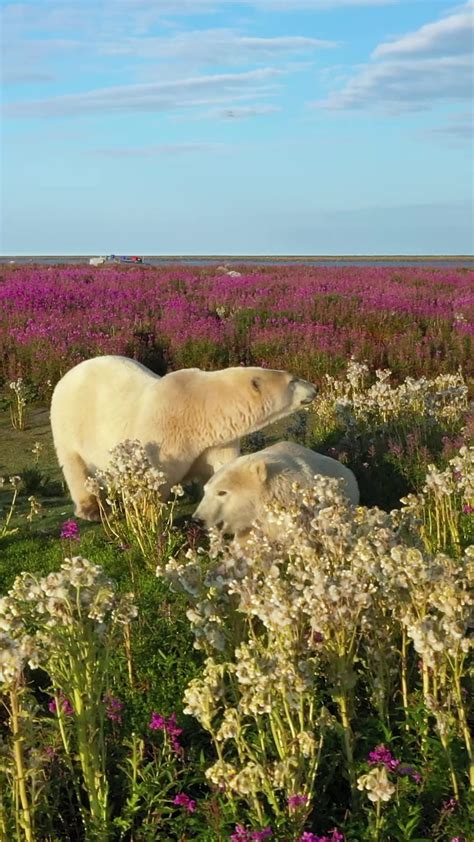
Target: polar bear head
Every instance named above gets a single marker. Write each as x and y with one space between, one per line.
235 496
242 493
247 399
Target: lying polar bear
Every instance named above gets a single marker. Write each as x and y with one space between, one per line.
236 496
189 421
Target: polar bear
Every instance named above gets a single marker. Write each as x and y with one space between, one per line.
237 495
188 421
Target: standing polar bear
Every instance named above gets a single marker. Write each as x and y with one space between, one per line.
189 421
237 495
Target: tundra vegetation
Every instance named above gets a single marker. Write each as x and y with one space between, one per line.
158 683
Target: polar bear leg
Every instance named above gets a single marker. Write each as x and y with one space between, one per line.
206 465
75 474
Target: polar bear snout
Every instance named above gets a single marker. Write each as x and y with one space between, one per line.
206 514
304 391
229 511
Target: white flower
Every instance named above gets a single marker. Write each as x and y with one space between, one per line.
376 784
230 727
248 780
177 490
221 774
14 654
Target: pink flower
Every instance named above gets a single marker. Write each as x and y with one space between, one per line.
450 805
295 801
70 530
183 800
261 835
383 756
241 834
113 708
66 705
157 722
169 727
409 770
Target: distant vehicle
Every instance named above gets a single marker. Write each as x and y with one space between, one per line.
112 258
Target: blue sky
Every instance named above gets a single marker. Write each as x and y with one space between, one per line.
251 127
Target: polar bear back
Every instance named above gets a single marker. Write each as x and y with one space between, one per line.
301 464
87 405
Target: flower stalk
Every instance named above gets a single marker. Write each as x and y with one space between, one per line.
21 792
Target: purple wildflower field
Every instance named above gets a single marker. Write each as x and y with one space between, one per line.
414 320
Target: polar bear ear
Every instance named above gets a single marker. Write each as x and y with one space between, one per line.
260 470
256 383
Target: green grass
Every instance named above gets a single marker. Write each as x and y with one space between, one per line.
16 456
17 445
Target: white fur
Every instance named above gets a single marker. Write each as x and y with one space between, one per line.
236 496
189 421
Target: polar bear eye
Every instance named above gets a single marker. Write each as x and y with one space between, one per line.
221 493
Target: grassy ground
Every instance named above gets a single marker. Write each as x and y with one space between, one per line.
35 545
46 483
17 445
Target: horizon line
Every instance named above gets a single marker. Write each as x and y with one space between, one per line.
257 256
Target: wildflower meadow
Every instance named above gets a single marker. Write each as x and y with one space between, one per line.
161 683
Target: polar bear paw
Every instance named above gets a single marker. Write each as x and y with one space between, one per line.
87 510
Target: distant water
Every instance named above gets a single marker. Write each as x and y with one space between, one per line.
434 263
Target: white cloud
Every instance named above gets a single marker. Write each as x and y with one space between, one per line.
160 96
58 39
213 46
429 67
130 16
412 85
451 35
